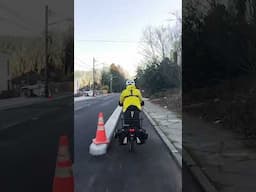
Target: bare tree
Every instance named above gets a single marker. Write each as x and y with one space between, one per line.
148 44
156 43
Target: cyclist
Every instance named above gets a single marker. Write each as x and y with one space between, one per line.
131 100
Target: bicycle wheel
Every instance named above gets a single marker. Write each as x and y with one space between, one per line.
131 145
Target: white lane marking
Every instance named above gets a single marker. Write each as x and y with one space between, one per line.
83 98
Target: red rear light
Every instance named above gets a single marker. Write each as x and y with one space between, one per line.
132 130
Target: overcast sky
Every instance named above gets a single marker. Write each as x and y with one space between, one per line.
109 20
97 21
27 17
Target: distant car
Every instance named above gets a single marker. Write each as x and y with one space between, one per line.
88 93
33 90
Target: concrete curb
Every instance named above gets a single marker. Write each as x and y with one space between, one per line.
177 156
110 126
198 174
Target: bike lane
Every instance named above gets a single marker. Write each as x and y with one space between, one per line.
150 168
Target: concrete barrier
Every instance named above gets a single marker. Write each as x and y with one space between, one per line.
110 126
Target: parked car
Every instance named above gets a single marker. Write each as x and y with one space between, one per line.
33 90
88 93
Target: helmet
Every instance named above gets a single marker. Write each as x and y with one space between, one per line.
130 82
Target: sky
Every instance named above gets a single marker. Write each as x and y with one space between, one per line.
121 22
109 20
27 17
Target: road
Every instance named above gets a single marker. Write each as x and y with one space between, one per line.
29 139
29 142
151 168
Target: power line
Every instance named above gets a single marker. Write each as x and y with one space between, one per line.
80 60
107 41
61 20
82 64
16 15
18 24
20 20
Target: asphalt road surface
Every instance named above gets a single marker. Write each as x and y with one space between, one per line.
29 139
150 168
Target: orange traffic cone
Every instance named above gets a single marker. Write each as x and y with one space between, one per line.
101 137
63 180
50 95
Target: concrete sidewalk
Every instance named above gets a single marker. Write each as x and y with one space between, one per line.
220 160
221 155
168 126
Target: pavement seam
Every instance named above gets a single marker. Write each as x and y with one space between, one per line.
79 108
14 124
17 123
167 142
32 103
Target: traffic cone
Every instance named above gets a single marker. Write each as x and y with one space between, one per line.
63 179
49 95
101 137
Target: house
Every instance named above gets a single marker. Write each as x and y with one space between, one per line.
5 78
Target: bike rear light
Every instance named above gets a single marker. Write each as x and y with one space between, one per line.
132 130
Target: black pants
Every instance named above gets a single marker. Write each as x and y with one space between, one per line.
132 117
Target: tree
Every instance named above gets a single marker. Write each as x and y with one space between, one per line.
160 71
220 45
105 77
117 74
156 43
118 78
157 77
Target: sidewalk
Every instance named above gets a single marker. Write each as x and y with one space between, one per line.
168 126
25 101
220 160
221 154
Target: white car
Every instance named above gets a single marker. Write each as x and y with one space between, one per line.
88 93
33 90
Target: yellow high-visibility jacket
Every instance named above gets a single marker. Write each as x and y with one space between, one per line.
131 96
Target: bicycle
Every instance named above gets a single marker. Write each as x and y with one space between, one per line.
130 130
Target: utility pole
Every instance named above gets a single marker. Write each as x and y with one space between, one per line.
93 77
111 78
46 51
102 82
